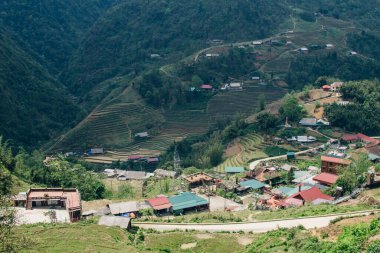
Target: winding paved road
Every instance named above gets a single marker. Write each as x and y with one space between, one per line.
255 227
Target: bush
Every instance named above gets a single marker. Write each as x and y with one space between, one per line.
374 247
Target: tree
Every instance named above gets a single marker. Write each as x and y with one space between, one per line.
196 81
266 121
9 242
291 109
290 175
261 102
347 181
215 153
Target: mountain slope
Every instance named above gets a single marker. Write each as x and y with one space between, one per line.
51 28
123 39
33 105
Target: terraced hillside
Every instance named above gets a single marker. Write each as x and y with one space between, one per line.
245 102
114 124
251 149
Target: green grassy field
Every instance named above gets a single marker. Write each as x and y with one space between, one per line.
94 238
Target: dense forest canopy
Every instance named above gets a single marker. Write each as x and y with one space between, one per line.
363 112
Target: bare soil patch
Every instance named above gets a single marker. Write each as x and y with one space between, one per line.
204 236
189 245
234 148
244 240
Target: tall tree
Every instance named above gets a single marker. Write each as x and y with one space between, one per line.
291 109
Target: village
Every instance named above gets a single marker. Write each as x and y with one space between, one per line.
308 175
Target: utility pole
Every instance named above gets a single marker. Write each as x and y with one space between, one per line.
176 164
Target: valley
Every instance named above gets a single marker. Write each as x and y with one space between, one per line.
112 124
189 126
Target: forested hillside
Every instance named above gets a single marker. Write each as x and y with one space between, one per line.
36 41
123 40
33 106
51 28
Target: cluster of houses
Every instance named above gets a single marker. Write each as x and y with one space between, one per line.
124 175
178 204
334 87
208 88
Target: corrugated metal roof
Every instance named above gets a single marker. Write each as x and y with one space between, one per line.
159 203
254 184
115 221
311 195
326 178
335 160
234 169
308 122
123 207
186 200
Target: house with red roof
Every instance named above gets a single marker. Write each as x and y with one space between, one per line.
326 178
310 195
206 87
326 87
329 164
366 140
160 204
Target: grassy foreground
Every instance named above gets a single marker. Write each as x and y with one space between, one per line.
351 235
246 215
95 238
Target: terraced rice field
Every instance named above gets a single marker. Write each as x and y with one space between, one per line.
245 102
279 65
112 126
176 126
252 146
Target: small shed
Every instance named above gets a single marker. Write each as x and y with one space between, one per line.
326 87
142 135
290 155
311 122
206 87
95 151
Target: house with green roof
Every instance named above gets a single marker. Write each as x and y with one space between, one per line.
252 184
187 201
233 170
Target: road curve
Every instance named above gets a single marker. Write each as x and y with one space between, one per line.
254 227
